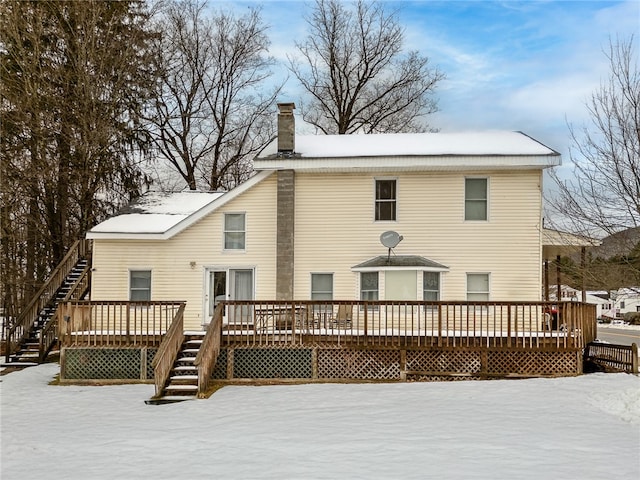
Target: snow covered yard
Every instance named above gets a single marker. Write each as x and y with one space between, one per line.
584 427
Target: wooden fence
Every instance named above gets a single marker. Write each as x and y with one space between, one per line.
608 357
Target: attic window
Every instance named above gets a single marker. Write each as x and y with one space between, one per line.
385 200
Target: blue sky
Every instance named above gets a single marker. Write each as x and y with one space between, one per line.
514 64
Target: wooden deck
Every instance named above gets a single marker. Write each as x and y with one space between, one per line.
345 340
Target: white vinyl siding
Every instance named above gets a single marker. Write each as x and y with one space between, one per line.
174 277
334 231
432 224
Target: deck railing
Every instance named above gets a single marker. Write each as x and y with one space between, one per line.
169 348
115 323
207 356
531 325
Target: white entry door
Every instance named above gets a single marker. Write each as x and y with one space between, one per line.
228 284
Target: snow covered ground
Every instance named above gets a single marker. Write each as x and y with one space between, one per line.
585 427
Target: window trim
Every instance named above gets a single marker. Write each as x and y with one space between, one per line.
376 200
486 199
131 288
225 231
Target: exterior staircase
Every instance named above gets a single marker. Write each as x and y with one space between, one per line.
33 336
183 381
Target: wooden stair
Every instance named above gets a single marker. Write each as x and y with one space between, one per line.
28 350
183 381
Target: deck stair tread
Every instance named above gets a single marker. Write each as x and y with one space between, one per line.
181 387
184 377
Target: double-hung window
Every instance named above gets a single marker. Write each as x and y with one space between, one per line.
477 287
322 289
431 286
140 285
321 286
385 206
234 231
369 286
475 199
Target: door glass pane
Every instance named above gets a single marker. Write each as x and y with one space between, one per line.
217 289
242 289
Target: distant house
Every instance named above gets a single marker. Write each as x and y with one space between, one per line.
627 300
430 216
604 305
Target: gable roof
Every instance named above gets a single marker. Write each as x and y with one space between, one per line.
411 151
160 216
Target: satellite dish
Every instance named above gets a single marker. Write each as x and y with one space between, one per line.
390 239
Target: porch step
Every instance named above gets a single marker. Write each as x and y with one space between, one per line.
183 382
178 389
184 368
182 379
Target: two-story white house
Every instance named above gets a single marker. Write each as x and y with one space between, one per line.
428 216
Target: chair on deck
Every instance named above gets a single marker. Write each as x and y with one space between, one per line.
343 317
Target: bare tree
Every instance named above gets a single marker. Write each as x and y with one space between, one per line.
74 78
602 199
356 74
209 114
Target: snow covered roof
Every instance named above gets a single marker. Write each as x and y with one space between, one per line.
418 151
158 215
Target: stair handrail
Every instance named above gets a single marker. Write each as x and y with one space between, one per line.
79 249
168 350
209 350
49 332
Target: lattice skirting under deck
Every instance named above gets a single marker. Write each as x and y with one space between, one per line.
320 363
87 363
